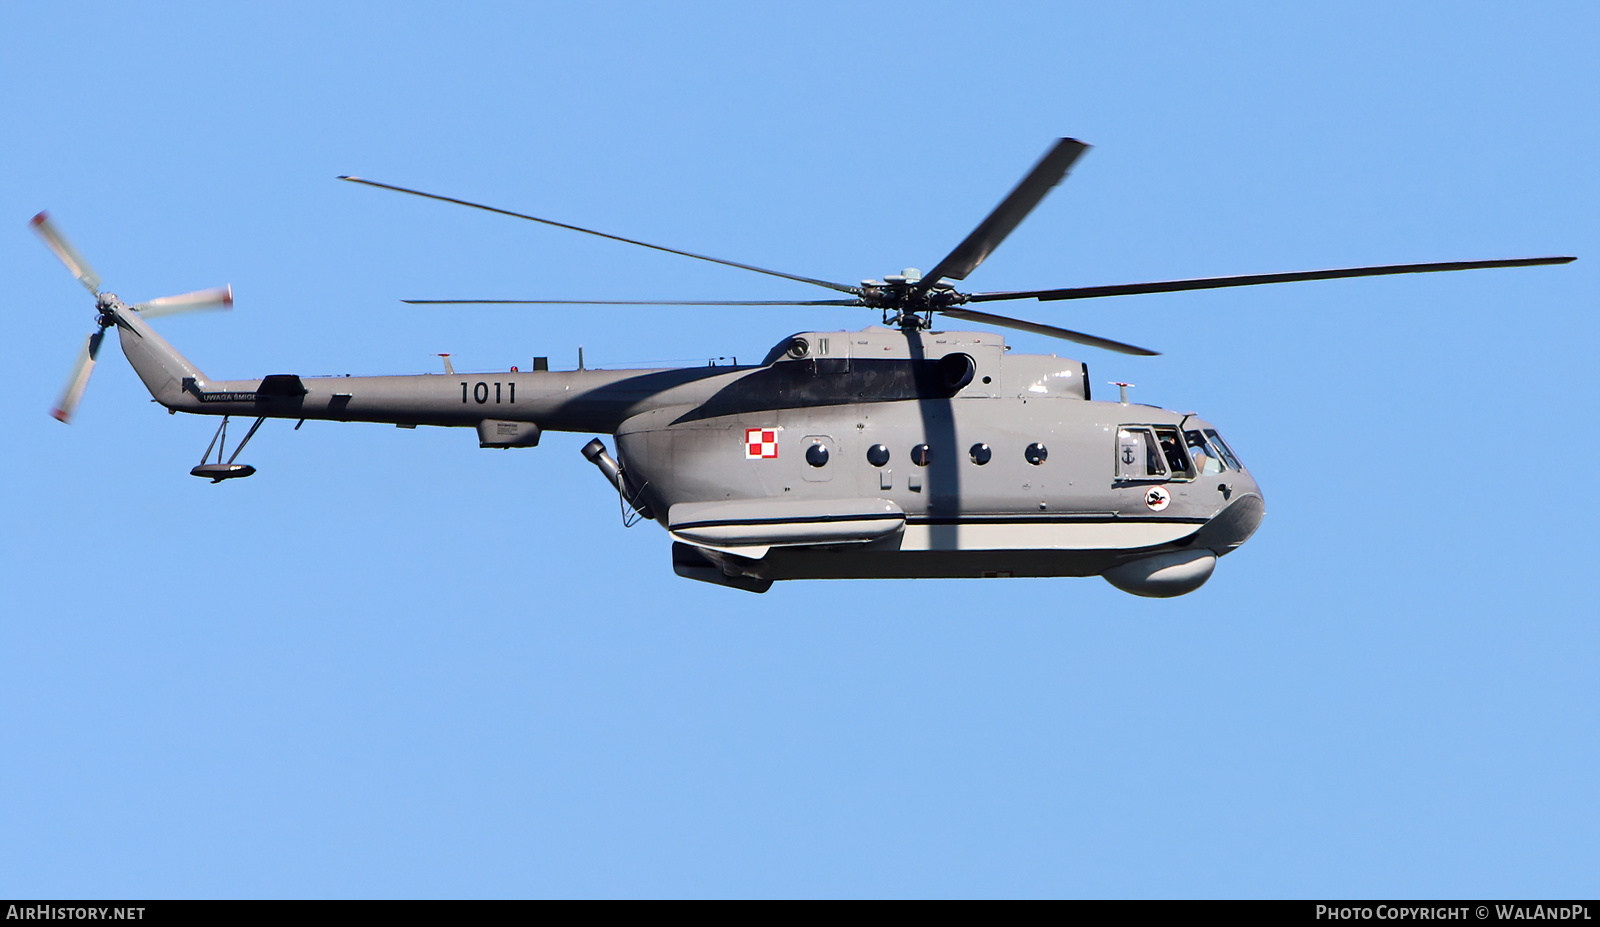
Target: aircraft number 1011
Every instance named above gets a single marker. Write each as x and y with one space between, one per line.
480 393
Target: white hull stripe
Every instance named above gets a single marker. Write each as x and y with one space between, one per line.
1123 534
1036 534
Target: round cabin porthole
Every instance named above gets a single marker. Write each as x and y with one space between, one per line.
919 455
1035 454
981 453
817 455
877 455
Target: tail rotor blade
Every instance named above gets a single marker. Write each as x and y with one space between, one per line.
81 369
69 255
215 298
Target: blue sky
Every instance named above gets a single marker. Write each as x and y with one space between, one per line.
393 664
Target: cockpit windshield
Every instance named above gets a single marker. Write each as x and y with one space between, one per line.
1210 453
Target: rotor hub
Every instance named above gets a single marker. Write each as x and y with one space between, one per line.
105 305
905 301
102 309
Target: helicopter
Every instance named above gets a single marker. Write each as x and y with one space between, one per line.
898 451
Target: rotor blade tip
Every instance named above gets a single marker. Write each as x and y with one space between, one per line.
59 415
40 219
349 177
227 298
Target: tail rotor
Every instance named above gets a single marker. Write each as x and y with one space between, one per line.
107 305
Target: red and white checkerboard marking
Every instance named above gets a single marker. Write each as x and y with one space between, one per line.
761 444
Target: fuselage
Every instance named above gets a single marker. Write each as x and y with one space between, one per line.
873 453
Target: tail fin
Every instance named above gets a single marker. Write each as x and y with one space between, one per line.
158 363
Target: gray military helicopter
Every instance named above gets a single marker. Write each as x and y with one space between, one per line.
893 452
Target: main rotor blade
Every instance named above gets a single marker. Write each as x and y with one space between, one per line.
81 368
633 302
1211 283
214 298
841 287
69 255
1008 215
1065 334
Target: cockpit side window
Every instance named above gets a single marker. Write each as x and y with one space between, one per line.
1163 452
1172 450
1139 455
